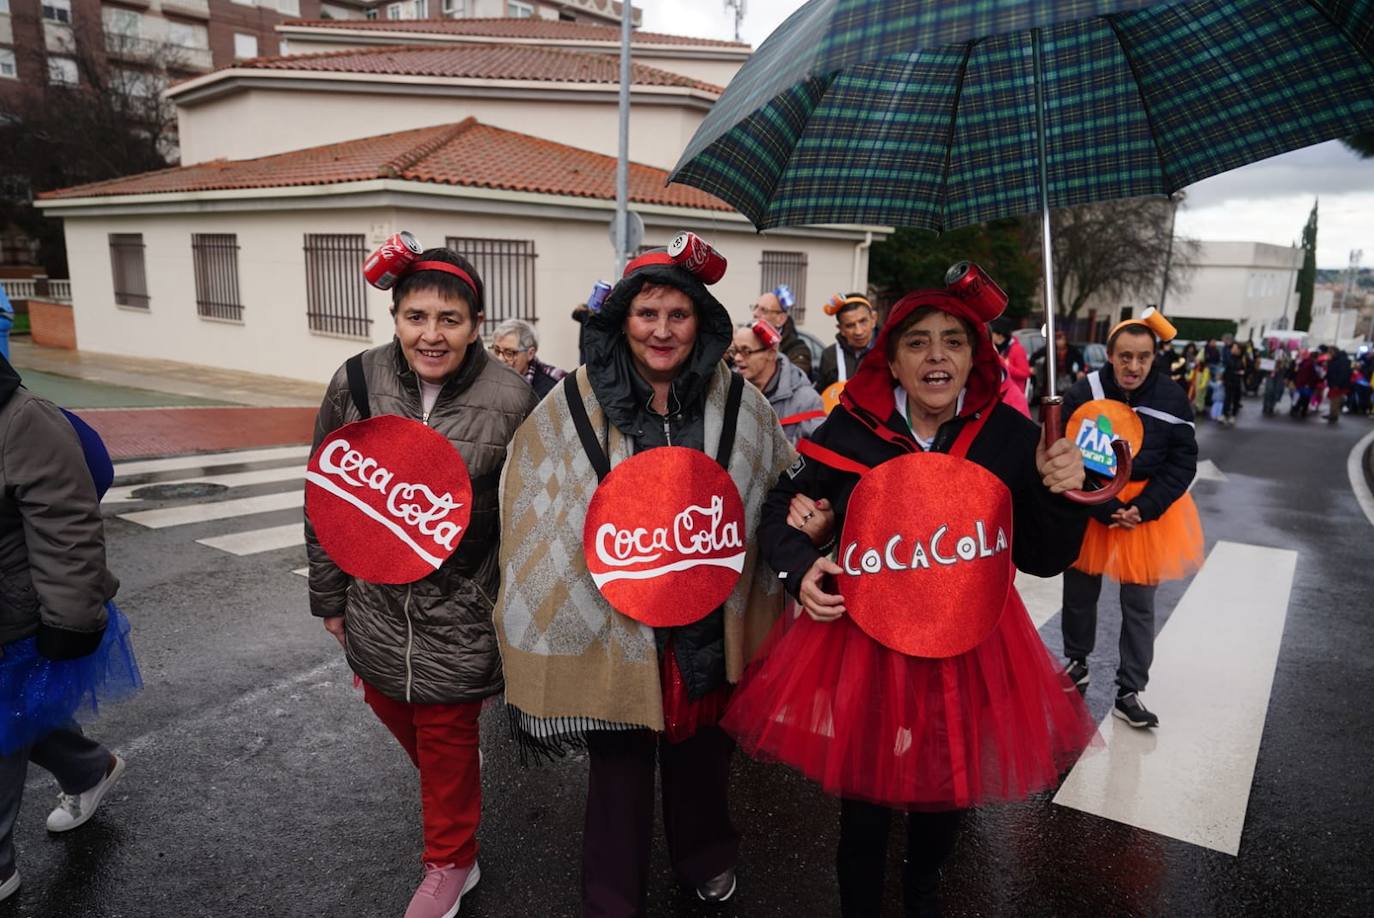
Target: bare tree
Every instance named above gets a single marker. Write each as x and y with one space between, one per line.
1118 250
109 121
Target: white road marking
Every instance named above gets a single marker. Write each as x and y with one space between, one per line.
1043 596
1213 670
302 572
124 494
1356 475
217 510
1207 471
258 540
209 460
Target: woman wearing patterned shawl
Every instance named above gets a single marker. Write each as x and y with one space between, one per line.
581 672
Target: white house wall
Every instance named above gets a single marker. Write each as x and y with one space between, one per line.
260 122
274 338
708 70
1245 282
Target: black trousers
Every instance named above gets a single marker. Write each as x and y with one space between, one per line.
1232 405
862 858
702 842
1079 625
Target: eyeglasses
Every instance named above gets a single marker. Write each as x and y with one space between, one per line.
745 352
505 353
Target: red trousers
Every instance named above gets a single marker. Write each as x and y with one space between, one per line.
441 739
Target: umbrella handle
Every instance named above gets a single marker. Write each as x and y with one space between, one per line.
1052 418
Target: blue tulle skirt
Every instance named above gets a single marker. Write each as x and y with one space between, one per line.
38 695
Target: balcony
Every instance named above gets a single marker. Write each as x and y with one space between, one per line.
174 58
192 9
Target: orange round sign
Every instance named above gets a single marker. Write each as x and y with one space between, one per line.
664 537
1095 424
389 498
830 396
926 553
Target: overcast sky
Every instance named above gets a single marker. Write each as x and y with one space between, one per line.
1263 202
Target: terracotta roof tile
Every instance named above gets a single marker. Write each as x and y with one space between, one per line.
546 29
482 62
468 154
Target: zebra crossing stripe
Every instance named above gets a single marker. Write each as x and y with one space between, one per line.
1213 670
217 510
255 541
210 460
124 494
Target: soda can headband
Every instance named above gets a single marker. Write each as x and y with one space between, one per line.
839 301
1153 320
687 251
766 333
396 258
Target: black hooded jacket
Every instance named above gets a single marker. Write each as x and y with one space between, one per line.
1168 455
625 397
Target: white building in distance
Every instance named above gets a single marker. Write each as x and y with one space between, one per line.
1249 283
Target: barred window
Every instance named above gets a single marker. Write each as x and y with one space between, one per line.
335 292
506 267
787 268
126 264
216 260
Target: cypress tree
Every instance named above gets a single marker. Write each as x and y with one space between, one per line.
1307 277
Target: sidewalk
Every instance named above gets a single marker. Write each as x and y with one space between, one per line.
151 408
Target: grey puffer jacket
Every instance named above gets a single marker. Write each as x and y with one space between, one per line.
791 394
431 641
53 579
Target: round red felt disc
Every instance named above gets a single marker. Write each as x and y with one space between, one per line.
390 498
926 550
664 537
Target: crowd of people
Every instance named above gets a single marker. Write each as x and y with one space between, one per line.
811 651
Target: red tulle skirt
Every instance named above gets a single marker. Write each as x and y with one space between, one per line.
683 716
997 723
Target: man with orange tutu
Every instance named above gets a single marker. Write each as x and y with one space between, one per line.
1150 532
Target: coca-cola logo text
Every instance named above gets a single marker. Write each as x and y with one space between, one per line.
698 534
427 513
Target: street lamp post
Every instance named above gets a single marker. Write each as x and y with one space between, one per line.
622 165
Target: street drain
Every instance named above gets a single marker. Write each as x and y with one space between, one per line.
188 491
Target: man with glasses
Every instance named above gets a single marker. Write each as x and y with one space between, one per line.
773 307
754 353
515 345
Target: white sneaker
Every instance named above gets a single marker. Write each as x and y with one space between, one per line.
10 886
74 810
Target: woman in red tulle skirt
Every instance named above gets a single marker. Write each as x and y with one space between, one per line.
913 679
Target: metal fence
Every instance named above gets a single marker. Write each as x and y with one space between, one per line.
335 291
786 268
126 264
216 260
506 267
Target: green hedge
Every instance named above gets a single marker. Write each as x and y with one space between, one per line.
1202 329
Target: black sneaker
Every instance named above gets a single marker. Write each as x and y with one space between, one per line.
1077 671
1129 709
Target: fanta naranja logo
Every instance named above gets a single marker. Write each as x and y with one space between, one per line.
410 502
942 548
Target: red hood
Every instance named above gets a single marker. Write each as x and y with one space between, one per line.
868 395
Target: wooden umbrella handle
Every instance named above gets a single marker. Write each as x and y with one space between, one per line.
1052 420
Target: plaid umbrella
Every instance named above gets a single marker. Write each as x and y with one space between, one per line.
924 113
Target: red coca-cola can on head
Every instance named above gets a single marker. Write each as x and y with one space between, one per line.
697 256
972 284
384 267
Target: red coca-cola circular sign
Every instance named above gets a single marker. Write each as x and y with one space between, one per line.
926 552
664 537
389 498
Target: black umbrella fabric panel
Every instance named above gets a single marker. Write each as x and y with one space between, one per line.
1139 102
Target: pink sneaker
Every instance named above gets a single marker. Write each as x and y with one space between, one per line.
442 890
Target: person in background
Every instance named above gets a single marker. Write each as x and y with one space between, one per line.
1277 381
426 651
1233 381
1304 382
1212 352
1069 365
1174 364
1200 385
774 307
1337 381
1015 365
515 344
755 355
63 644
856 328
1150 532
580 314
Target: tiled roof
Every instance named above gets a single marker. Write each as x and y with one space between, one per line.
468 154
545 29
480 62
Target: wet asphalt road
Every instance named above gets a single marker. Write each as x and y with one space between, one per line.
259 783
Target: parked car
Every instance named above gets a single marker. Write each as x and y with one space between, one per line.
816 348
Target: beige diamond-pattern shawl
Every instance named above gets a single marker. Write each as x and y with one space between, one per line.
572 662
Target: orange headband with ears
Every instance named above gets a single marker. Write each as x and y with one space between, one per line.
1153 320
840 301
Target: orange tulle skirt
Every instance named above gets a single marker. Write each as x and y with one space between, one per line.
1169 548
